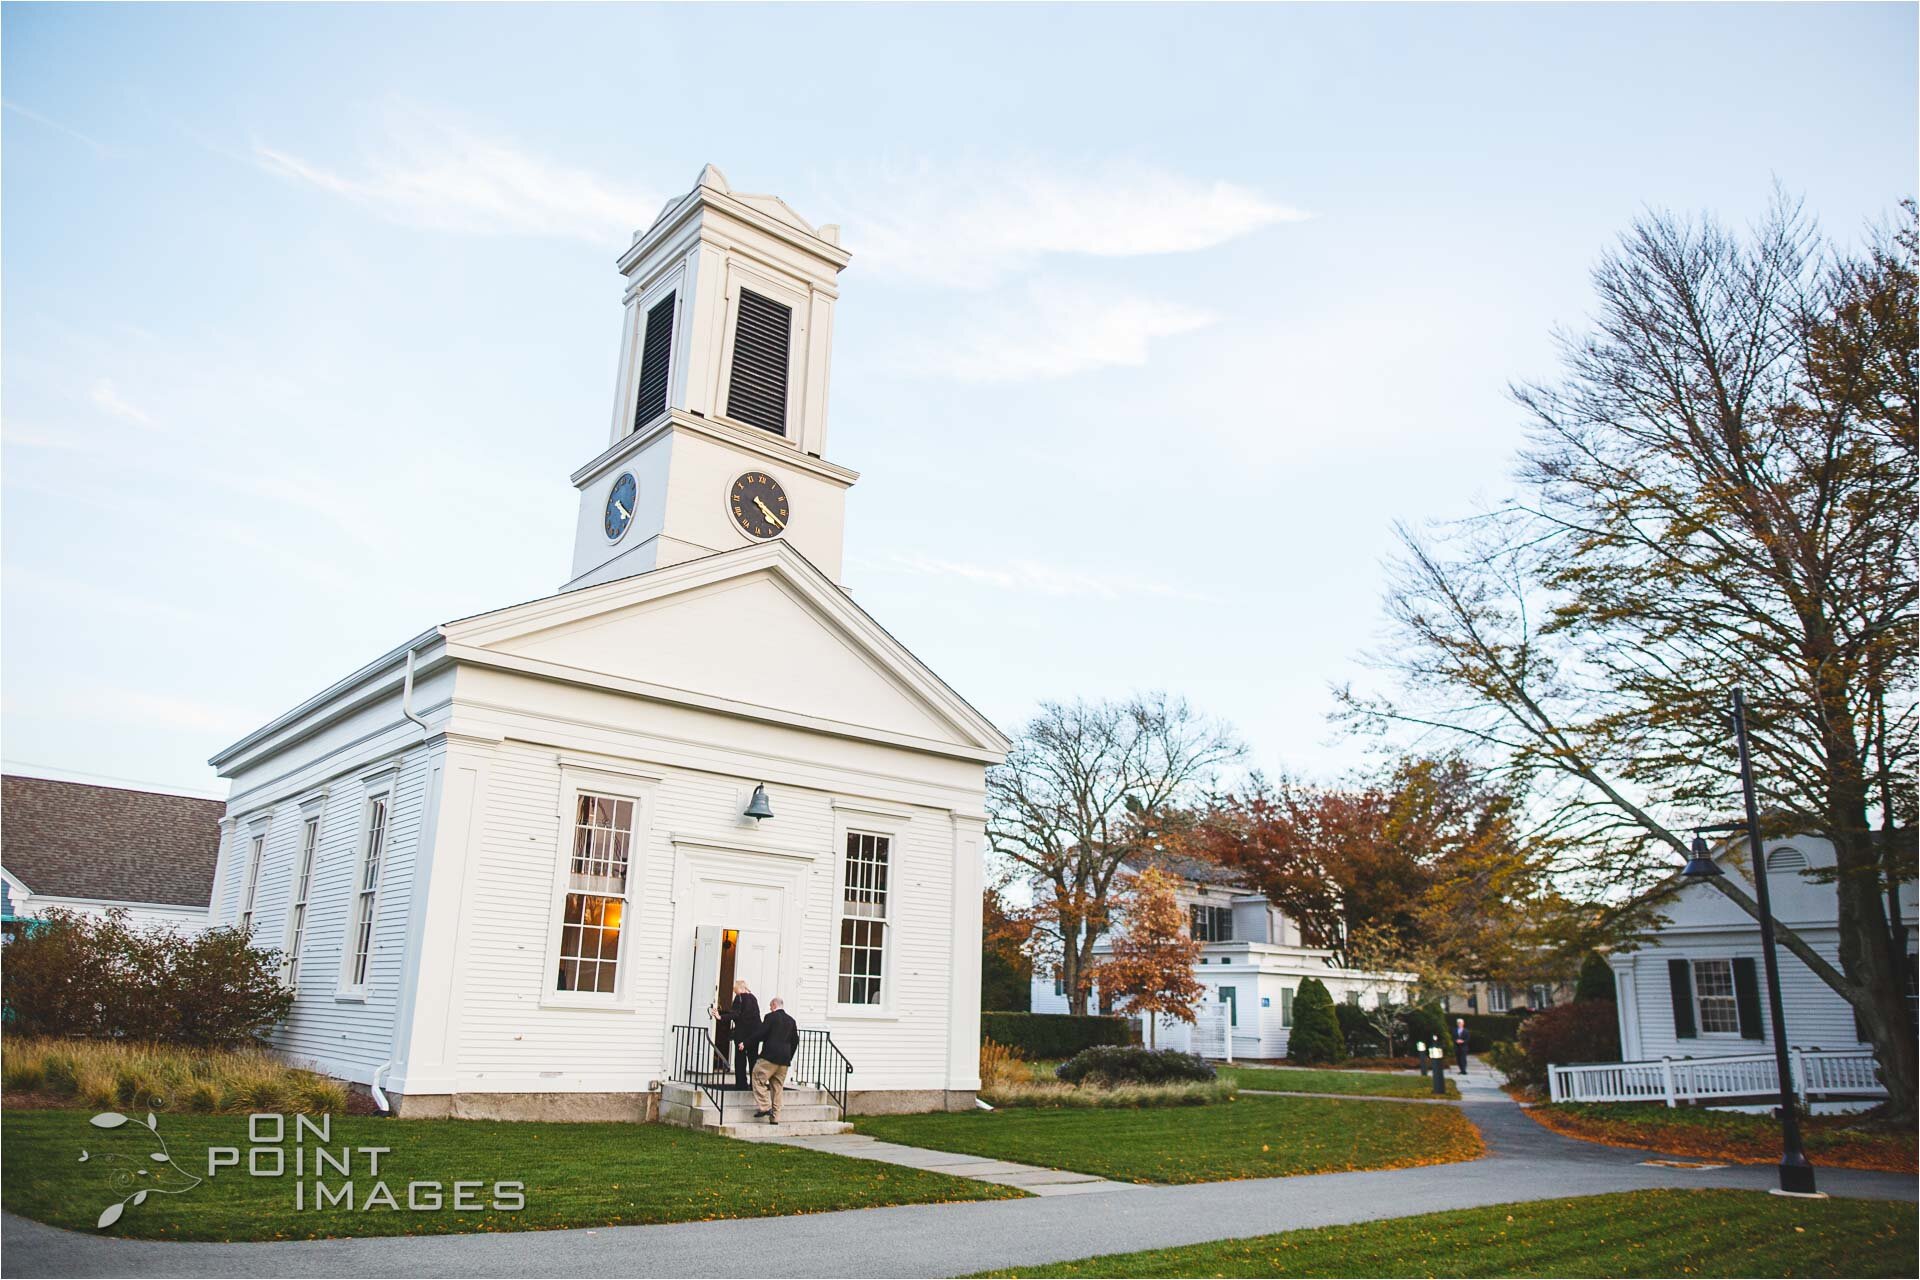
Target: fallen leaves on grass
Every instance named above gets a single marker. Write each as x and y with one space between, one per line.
1734 1137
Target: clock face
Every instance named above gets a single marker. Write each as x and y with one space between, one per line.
620 502
759 505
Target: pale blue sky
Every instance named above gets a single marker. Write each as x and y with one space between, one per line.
1157 317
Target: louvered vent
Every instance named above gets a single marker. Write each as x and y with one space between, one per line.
1786 860
655 365
757 392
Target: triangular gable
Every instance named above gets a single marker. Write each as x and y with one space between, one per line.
759 628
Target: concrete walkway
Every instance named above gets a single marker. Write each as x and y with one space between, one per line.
1524 1162
1031 1178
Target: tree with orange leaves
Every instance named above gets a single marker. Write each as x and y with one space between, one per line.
1150 969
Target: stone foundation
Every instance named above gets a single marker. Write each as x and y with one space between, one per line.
893 1102
637 1108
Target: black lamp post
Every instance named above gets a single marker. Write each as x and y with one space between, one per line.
1796 1174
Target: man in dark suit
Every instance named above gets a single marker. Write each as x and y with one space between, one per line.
740 1027
779 1041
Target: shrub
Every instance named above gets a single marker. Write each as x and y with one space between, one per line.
1484 1029
1596 979
1357 1032
1316 1028
1053 1035
1128 1064
1506 1058
97 977
1425 1022
1584 1031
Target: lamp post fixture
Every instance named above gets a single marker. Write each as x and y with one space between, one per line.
1796 1173
1437 1059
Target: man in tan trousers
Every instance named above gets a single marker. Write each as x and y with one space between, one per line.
779 1040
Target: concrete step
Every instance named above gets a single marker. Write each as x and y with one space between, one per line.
761 1131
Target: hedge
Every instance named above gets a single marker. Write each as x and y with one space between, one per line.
1053 1035
1483 1029
1112 1064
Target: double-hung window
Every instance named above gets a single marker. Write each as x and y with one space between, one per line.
1499 998
297 903
1286 1006
863 918
1713 994
1212 924
373 847
256 852
595 910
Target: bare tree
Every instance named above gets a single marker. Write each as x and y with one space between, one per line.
1085 787
1720 492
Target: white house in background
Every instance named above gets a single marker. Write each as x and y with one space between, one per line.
1696 987
92 849
1252 966
507 859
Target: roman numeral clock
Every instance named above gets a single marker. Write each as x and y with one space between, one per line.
759 505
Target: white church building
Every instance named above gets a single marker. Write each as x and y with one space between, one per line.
510 863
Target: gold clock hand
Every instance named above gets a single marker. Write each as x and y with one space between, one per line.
767 511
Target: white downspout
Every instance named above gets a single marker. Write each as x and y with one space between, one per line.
406 709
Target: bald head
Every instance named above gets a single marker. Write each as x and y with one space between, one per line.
776 1003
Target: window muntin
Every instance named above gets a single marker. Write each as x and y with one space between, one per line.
1211 924
1286 1006
297 901
374 849
256 853
1716 1007
863 918
593 914
1499 998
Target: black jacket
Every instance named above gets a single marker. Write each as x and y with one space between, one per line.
743 1018
779 1038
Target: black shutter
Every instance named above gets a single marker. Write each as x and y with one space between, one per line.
1680 979
757 386
1746 999
655 365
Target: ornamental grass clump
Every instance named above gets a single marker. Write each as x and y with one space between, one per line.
115 1075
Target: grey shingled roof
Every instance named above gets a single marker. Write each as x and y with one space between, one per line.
77 840
1198 870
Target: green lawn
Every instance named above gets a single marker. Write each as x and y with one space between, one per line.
575 1175
1637 1233
1370 1084
1247 1138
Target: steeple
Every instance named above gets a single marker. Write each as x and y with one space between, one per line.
720 407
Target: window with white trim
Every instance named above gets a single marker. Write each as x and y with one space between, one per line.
297 901
863 917
1713 998
256 852
373 849
595 911
1210 924
1286 1006
1499 997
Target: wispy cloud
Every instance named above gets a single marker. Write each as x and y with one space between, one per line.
48 122
440 176
1032 577
108 400
1049 331
971 226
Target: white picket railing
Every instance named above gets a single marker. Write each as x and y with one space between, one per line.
1816 1072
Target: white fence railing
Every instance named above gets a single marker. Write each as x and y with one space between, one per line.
1816 1072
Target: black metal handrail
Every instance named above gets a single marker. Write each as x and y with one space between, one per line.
700 1062
818 1061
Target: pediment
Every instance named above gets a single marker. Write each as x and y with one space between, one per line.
758 628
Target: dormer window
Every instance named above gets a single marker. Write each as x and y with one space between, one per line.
1212 924
762 343
656 363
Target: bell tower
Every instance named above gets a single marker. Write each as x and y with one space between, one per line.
720 408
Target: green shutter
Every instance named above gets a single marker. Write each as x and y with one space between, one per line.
1746 998
1680 981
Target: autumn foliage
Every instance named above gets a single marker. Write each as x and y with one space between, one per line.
1150 970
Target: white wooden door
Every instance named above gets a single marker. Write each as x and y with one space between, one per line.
755 912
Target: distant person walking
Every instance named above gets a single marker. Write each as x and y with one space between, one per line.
779 1040
740 1027
1460 1043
